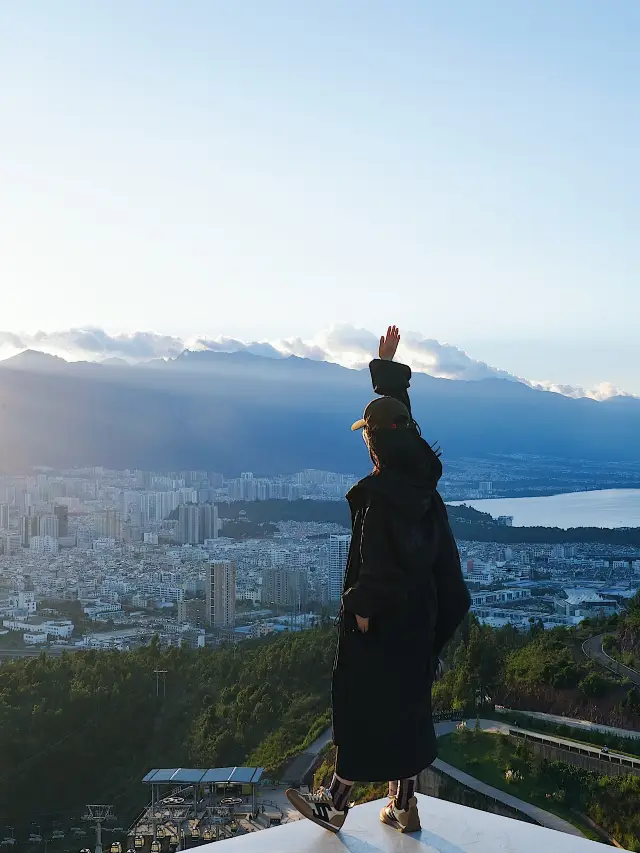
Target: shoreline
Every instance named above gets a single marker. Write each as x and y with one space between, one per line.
604 509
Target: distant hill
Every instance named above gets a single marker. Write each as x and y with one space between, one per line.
239 411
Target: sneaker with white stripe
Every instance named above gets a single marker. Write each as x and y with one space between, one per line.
318 807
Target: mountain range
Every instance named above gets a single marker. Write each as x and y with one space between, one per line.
240 411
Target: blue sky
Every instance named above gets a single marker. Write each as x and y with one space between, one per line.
468 170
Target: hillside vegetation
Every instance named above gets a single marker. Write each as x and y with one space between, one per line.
624 644
537 671
87 726
612 802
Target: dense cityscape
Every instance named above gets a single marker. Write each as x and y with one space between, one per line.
93 558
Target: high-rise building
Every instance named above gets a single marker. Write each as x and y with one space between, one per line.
338 552
28 528
12 543
143 480
48 526
285 587
4 516
193 611
221 594
189 524
62 513
208 522
44 544
109 525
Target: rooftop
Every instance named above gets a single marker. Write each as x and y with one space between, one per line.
447 828
187 775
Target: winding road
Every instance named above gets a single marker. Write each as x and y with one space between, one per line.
594 650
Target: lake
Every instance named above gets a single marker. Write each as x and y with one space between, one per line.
598 508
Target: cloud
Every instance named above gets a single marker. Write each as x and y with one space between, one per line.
223 344
8 339
447 361
602 391
342 344
94 343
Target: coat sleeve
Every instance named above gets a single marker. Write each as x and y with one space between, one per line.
381 581
391 379
453 596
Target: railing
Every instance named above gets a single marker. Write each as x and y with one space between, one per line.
591 752
446 716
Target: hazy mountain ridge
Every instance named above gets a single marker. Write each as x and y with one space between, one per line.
240 411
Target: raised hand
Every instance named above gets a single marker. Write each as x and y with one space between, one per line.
389 343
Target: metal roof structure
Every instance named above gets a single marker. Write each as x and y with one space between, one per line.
194 776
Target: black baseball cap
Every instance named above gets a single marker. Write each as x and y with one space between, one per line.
383 412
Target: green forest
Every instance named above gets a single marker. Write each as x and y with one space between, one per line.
87 726
539 671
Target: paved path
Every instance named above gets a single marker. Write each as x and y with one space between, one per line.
540 816
299 767
593 649
296 769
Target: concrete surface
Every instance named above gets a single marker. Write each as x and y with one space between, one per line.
447 828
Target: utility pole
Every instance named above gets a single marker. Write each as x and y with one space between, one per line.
163 673
97 815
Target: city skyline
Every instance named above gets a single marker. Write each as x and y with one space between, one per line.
468 170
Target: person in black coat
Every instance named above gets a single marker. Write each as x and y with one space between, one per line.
403 598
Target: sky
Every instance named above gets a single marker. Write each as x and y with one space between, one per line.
280 169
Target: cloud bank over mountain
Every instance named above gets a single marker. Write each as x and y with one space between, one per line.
342 344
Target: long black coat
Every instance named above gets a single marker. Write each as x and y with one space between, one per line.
403 572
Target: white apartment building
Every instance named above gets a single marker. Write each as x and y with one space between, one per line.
338 552
161 591
57 628
22 603
43 544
